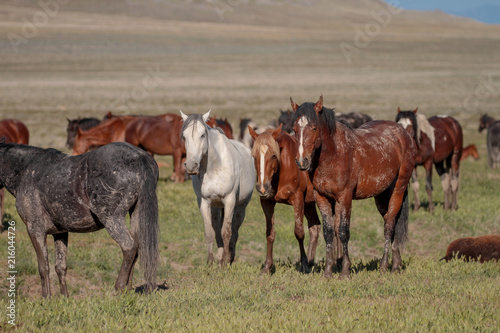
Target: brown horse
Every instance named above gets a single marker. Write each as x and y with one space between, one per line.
110 130
482 248
224 125
419 129
74 124
12 130
375 160
158 136
470 150
438 140
447 154
279 180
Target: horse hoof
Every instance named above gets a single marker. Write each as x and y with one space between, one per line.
344 276
328 275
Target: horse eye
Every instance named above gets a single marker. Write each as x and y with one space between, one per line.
274 157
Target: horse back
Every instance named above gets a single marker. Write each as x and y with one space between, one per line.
155 135
14 130
448 135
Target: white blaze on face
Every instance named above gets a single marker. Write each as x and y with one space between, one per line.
405 122
263 151
302 125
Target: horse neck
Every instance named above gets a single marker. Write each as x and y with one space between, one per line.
216 151
13 165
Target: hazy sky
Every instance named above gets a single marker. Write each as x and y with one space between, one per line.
444 5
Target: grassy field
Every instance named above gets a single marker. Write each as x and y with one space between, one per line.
88 60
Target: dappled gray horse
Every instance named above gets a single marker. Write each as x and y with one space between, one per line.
223 180
56 194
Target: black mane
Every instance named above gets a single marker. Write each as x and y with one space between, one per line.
326 115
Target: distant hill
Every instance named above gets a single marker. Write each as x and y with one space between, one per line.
340 15
486 13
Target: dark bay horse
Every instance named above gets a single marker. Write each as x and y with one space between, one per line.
75 124
470 150
439 141
375 160
279 180
57 194
110 130
158 136
492 139
11 130
421 131
355 119
447 154
482 248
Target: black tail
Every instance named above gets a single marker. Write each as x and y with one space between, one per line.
146 211
401 228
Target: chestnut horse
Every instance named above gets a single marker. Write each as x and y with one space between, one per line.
158 136
470 150
279 180
482 248
375 160
110 130
11 130
439 141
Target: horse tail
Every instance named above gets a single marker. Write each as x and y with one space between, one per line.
146 212
401 228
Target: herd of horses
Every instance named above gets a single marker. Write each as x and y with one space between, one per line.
310 157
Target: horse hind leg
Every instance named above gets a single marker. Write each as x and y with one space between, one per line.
445 183
428 184
61 246
455 181
415 186
314 225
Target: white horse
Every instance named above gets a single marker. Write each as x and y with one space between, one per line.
223 180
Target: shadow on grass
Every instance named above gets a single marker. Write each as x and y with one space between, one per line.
369 265
143 289
5 221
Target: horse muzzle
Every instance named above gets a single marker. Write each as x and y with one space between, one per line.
264 190
303 163
192 168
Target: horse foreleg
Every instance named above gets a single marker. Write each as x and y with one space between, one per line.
39 240
298 210
325 208
268 208
428 184
415 186
343 220
61 245
206 213
238 218
314 229
224 254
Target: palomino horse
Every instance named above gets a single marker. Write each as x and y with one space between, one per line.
158 136
11 130
492 139
223 180
74 124
57 194
279 180
422 132
375 160
482 248
446 139
110 130
470 150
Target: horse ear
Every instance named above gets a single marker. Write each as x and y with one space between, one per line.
277 132
399 110
318 107
294 105
252 132
415 111
184 117
206 116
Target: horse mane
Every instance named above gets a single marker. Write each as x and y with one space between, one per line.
266 139
326 115
27 153
427 128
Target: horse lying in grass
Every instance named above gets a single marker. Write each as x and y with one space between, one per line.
57 194
223 177
279 180
482 248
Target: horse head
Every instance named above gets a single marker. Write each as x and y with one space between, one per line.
194 134
408 120
266 154
307 128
